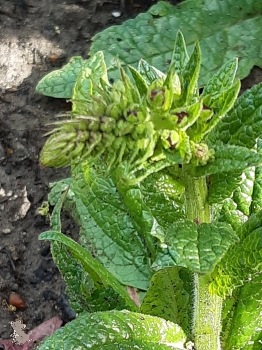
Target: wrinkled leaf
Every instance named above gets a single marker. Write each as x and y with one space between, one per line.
227 159
224 32
242 321
117 330
242 261
196 247
170 297
98 272
60 83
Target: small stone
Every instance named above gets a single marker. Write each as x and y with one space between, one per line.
8 170
116 14
6 231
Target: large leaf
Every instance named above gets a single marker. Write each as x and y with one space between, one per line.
97 271
80 288
242 321
170 296
224 32
107 230
116 330
197 247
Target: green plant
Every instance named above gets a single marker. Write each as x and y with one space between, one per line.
166 190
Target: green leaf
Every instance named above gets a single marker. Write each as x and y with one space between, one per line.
97 272
189 77
242 261
107 231
231 215
72 272
139 80
222 80
242 124
224 32
227 159
242 321
150 211
170 296
256 204
116 330
93 70
148 72
196 247
60 83
222 185
243 194
80 288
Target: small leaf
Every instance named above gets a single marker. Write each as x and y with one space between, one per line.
196 247
148 72
116 330
60 83
139 81
180 56
222 185
93 70
222 80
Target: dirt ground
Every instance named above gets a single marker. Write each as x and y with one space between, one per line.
31 32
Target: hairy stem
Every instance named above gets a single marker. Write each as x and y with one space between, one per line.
207 308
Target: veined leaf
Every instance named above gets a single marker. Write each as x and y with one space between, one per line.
116 330
151 212
107 230
242 321
170 296
227 159
80 288
231 215
60 83
148 72
222 185
256 204
242 261
242 124
97 271
224 32
196 247
72 272
222 80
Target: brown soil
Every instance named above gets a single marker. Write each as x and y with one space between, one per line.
32 34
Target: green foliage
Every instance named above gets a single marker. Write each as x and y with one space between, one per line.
117 330
166 192
224 32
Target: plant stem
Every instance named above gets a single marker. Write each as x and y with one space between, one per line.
207 308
